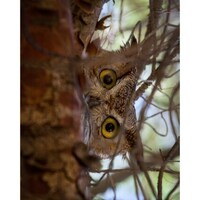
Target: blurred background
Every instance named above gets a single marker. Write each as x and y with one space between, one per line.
160 126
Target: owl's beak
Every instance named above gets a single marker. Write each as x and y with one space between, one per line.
92 101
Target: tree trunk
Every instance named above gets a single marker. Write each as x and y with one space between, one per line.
51 36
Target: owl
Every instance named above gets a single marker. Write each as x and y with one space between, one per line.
111 114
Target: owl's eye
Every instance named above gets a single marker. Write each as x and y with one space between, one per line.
110 128
108 78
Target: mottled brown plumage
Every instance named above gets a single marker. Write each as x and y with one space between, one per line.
112 103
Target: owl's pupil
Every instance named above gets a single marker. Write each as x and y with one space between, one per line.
110 127
107 79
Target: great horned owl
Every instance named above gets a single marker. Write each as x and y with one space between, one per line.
112 119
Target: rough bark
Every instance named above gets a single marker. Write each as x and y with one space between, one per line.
51 37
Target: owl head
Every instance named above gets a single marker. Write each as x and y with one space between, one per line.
111 114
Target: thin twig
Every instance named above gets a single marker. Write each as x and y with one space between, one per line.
173 190
169 156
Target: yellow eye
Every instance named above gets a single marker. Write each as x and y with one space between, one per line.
108 78
110 128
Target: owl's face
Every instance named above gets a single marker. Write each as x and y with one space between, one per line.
111 113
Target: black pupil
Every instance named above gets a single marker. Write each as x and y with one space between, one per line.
107 79
110 127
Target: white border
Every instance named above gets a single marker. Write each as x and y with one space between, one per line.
190 101
10 100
